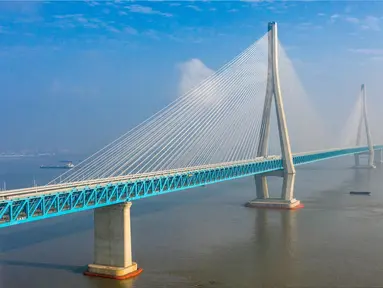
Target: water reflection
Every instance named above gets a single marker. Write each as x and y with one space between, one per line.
107 283
275 239
361 180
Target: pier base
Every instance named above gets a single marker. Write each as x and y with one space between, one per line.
112 243
117 273
370 164
364 167
275 203
286 201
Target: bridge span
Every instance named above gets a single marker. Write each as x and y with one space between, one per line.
211 134
40 202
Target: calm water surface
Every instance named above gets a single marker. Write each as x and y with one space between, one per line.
204 237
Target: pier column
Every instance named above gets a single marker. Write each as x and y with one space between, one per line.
378 156
357 161
112 243
261 187
286 201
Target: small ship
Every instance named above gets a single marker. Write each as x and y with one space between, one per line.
68 165
360 193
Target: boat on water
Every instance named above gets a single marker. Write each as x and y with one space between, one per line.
360 193
68 165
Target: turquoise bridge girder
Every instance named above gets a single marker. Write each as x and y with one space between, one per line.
42 206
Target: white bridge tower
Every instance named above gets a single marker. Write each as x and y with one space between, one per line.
273 91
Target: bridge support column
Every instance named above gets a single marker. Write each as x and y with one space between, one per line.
364 118
112 243
357 162
273 91
261 187
378 155
286 201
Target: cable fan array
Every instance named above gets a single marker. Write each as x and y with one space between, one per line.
218 121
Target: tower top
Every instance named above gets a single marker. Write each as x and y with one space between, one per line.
271 25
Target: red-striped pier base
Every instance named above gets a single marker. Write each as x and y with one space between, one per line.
270 203
115 277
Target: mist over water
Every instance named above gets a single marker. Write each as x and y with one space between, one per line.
306 125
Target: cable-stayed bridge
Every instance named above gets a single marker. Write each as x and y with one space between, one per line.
252 117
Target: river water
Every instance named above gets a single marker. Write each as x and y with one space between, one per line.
204 237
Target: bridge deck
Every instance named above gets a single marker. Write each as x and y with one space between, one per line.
36 203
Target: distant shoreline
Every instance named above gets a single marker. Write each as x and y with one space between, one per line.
24 155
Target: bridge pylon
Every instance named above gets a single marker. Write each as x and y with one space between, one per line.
364 120
273 91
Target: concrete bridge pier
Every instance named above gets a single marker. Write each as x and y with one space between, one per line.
286 201
370 161
112 243
378 156
357 162
273 92
372 158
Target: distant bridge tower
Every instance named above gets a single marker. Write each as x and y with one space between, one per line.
273 91
364 119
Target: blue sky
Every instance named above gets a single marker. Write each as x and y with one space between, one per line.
75 75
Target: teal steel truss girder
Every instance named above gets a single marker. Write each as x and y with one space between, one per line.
43 206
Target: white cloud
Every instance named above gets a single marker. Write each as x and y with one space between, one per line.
112 29
196 8
68 21
250 73
192 73
334 17
92 3
146 10
130 30
366 23
68 16
352 20
371 23
367 51
370 54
